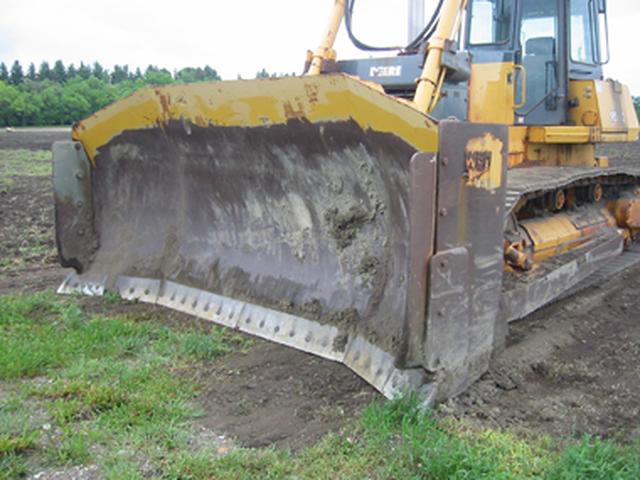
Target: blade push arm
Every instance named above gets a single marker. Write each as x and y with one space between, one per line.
433 72
329 37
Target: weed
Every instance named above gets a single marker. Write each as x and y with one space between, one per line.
13 466
69 446
204 346
10 444
65 411
113 298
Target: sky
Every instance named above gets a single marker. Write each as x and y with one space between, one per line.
237 38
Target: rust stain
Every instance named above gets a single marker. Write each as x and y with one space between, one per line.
291 111
312 92
165 104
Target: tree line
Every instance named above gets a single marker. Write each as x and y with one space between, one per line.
61 95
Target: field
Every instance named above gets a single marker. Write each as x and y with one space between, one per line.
570 373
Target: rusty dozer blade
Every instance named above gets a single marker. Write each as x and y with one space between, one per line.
281 207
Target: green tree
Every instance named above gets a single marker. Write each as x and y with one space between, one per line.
264 74
23 109
44 73
75 107
59 72
155 76
4 73
84 71
31 72
96 92
636 103
16 76
210 74
119 74
52 104
98 71
191 75
8 94
72 72
188 75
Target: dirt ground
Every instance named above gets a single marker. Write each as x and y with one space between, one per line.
569 369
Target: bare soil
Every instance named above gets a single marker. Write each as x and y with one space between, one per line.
568 369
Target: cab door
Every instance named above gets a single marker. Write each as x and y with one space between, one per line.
491 41
541 52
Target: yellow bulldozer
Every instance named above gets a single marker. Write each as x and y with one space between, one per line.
392 213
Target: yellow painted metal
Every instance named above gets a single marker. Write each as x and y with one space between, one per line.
428 84
606 105
517 145
491 93
558 233
546 154
325 49
564 144
540 146
550 236
258 103
627 212
563 134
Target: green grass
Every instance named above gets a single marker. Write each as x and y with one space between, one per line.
79 389
24 163
98 385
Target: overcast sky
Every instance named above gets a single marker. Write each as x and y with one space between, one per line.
239 37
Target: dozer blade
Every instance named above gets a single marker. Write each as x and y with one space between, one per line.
279 207
300 209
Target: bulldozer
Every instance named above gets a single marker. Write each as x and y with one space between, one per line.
393 213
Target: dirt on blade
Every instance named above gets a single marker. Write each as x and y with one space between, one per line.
570 368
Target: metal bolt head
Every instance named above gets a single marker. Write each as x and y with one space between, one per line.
77 146
79 175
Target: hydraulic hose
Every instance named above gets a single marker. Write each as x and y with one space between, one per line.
422 38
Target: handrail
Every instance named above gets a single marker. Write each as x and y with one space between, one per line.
524 87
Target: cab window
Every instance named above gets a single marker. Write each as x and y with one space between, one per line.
583 37
490 21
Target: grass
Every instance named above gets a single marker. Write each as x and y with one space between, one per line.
115 392
79 389
24 163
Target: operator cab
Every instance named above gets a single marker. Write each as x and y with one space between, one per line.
515 66
550 43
